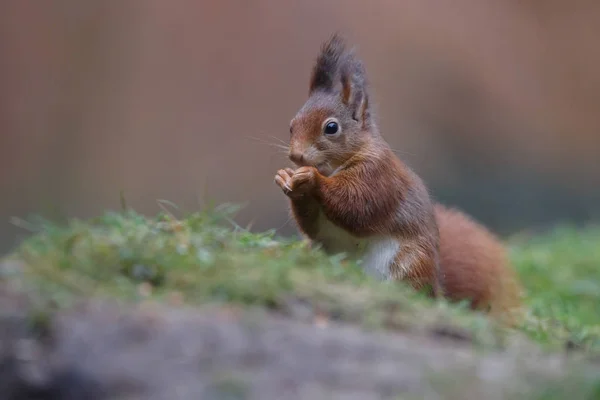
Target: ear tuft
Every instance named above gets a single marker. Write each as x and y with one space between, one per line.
334 65
328 63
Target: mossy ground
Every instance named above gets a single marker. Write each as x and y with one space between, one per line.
205 258
561 273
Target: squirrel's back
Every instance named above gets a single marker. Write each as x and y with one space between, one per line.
474 265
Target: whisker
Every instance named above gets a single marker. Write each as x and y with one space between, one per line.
284 224
279 139
402 152
262 140
284 148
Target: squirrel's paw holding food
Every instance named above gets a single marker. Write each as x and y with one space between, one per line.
304 180
283 179
296 183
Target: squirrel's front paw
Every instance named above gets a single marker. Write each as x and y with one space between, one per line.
284 180
296 183
304 179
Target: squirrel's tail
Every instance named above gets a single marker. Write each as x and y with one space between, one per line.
475 265
506 304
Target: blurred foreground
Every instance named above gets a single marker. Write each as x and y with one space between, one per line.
128 307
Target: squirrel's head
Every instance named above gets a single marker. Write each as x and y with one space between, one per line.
335 123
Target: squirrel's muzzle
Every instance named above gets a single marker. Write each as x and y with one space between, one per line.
297 157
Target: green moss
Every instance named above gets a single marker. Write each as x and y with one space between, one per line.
203 258
561 274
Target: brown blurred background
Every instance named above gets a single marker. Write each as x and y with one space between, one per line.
496 103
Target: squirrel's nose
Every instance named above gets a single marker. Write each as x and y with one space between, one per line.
296 157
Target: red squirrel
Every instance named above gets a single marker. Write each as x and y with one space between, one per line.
352 194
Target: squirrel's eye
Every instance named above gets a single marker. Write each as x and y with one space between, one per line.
331 128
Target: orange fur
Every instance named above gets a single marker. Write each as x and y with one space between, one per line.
475 265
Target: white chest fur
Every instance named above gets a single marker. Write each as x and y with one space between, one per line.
376 254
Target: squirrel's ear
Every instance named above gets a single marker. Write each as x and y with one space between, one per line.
354 92
324 72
